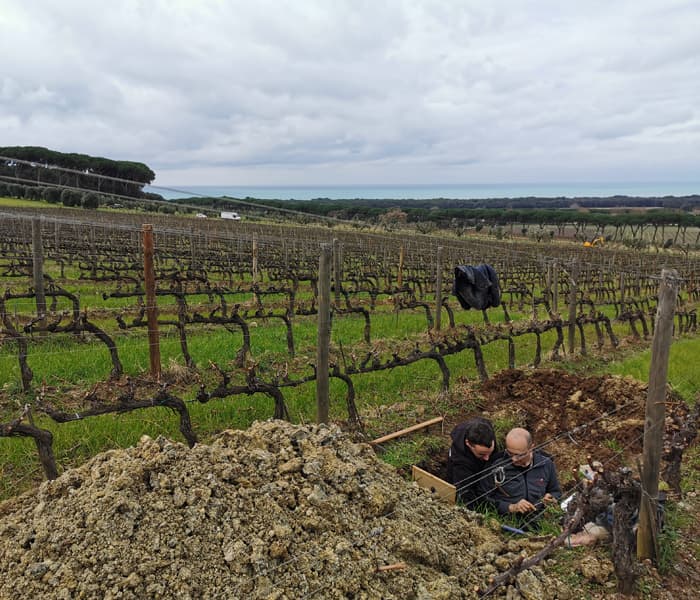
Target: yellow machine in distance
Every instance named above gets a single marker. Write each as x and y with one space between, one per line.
599 241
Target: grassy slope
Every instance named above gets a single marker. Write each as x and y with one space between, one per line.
20 203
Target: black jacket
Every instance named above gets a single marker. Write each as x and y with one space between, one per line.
531 483
465 471
476 287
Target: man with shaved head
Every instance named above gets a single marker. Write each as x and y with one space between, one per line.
525 479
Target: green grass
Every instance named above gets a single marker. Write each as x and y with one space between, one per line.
65 361
679 519
614 445
405 452
21 203
682 367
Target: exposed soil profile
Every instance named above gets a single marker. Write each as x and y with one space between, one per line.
575 419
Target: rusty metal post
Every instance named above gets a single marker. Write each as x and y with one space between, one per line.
149 276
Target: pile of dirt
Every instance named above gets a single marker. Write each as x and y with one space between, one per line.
276 511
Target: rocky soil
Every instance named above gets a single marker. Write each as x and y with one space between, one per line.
277 511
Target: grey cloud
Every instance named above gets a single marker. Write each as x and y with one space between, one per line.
433 90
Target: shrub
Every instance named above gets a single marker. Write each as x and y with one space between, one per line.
393 219
70 198
90 200
52 195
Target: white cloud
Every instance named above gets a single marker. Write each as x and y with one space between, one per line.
356 91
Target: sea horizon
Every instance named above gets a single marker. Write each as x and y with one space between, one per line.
430 191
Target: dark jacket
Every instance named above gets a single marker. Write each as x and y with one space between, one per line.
476 287
465 471
531 483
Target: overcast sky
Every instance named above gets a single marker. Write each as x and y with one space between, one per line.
379 91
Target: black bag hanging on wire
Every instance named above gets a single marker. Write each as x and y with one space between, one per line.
476 287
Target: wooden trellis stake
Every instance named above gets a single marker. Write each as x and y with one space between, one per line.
399 277
337 270
573 284
149 276
324 334
438 290
38 271
655 413
256 299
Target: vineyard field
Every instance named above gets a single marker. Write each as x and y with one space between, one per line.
88 363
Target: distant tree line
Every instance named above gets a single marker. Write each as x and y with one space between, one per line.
447 213
636 222
35 166
364 206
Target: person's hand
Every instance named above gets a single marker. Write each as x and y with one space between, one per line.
549 500
522 506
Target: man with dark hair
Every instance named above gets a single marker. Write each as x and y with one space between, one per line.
470 458
524 479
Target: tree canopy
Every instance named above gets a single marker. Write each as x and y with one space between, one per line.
37 164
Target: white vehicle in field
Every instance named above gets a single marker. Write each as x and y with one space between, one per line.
234 216
201 216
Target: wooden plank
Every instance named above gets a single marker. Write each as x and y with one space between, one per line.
411 429
439 488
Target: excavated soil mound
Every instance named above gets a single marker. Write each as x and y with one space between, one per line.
277 511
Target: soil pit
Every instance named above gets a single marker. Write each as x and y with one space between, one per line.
575 419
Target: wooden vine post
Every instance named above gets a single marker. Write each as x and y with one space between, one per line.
622 292
255 260
573 289
337 270
93 251
324 334
255 269
438 290
38 271
655 414
399 276
149 276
